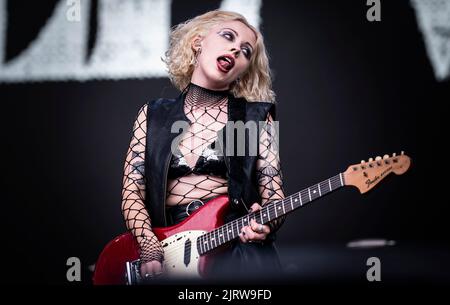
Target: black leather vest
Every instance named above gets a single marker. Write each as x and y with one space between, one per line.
242 183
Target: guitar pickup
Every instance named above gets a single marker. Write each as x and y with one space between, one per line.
187 252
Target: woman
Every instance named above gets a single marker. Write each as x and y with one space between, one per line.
218 61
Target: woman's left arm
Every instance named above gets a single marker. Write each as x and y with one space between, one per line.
268 168
270 182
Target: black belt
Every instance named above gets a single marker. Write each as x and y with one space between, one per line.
181 212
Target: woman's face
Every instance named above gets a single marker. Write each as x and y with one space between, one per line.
225 55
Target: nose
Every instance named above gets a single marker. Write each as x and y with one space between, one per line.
236 52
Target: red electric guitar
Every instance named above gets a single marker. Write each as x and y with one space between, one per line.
188 245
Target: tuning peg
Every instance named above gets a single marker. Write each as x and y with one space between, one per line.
386 157
402 153
394 154
362 161
370 159
378 158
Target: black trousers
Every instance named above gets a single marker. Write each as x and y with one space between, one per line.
247 263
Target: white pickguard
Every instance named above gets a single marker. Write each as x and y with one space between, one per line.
177 263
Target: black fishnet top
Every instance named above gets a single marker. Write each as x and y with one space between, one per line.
196 170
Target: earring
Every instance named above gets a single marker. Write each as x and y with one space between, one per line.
199 50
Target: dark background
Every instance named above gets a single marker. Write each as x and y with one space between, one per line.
348 89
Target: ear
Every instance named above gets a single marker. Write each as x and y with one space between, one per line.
196 43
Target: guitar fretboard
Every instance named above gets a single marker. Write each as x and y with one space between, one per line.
271 211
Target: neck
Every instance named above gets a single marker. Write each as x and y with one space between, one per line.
199 78
199 96
209 86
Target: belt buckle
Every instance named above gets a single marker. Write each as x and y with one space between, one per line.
196 208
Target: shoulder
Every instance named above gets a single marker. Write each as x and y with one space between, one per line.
265 106
163 107
160 103
260 109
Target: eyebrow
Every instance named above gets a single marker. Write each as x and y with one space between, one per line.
247 43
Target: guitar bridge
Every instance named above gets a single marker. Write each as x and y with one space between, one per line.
132 272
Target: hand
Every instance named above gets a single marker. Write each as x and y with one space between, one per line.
255 231
151 269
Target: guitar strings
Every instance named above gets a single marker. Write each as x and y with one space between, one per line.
335 179
237 222
270 208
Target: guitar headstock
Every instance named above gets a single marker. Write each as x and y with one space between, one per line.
366 175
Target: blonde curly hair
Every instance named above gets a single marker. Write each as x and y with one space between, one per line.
254 85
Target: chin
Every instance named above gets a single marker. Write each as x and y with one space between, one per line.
215 77
218 80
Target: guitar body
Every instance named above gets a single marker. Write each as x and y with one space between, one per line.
181 257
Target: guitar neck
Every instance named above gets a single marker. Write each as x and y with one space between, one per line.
211 240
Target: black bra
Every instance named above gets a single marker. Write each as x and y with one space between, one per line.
210 162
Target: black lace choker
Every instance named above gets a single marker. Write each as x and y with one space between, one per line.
203 97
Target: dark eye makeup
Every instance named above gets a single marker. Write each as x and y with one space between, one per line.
230 36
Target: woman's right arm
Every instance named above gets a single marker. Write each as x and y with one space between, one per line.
136 216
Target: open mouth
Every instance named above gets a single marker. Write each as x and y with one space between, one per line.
225 63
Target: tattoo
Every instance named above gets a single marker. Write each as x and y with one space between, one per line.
136 154
138 169
266 176
269 128
134 143
269 171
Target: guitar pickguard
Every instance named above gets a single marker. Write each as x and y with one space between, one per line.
181 257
